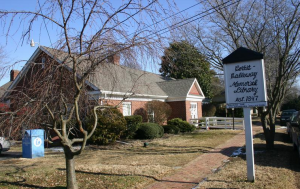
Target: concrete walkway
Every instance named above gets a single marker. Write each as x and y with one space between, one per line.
195 171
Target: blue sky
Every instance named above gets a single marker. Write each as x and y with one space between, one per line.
17 50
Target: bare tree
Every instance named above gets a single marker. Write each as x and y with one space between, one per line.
90 32
268 26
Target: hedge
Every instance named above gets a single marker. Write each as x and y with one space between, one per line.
184 126
111 125
132 125
149 131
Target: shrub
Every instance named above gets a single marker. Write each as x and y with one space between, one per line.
161 111
184 126
221 111
132 125
149 131
111 125
208 110
171 129
161 131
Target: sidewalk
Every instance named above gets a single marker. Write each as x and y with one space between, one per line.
195 171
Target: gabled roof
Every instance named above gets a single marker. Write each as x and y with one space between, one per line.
177 88
4 87
110 78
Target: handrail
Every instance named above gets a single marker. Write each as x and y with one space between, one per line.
218 122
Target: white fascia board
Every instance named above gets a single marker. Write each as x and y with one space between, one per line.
134 95
186 98
22 72
197 86
131 99
195 97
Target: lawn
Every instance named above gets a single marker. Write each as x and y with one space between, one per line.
128 165
278 168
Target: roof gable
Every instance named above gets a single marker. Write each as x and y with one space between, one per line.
4 88
197 87
180 87
194 90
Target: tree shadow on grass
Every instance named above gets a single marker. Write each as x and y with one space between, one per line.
167 150
135 175
280 137
282 156
22 182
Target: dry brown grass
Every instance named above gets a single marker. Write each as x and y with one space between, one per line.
115 166
278 168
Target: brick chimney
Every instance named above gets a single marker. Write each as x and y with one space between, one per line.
115 59
14 74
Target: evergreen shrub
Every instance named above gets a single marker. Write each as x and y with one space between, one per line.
132 125
184 126
149 131
111 125
171 129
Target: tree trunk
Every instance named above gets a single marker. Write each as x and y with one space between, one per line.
70 168
269 131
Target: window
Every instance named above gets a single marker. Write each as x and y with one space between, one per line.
43 62
150 116
194 111
126 108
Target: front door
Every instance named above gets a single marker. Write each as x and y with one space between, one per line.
194 111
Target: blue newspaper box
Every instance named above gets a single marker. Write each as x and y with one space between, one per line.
33 143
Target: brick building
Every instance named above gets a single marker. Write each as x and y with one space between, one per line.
112 83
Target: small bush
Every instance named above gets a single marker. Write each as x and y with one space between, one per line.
149 131
171 129
161 131
208 110
132 125
111 125
184 126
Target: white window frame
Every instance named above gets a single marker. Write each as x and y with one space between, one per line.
150 116
196 107
126 106
43 62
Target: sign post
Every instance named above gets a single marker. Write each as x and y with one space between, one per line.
245 88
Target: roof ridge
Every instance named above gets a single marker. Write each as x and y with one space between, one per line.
174 80
135 69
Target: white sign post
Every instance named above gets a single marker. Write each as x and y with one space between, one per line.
245 88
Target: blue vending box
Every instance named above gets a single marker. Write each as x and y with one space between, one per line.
33 143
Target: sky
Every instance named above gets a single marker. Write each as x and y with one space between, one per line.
16 50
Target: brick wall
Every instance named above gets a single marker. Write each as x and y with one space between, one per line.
194 91
199 109
188 112
137 107
178 110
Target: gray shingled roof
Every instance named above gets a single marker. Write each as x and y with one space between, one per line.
176 88
4 87
111 77
116 78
